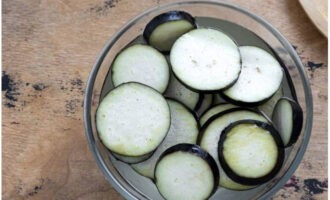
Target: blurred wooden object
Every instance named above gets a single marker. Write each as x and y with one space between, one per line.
317 10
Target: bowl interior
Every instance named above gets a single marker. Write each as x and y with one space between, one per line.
246 29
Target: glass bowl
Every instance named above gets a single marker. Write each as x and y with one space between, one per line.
133 186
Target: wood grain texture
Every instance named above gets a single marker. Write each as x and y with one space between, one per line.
48 50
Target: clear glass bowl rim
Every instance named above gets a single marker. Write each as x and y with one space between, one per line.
267 25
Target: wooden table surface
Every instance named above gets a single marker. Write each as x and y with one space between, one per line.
48 50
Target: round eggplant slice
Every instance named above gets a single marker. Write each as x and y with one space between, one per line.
142 64
181 93
185 171
133 119
268 107
251 152
132 159
260 77
163 30
184 129
205 104
206 59
288 119
215 110
217 99
211 132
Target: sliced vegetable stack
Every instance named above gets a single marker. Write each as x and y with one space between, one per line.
211 132
179 75
184 129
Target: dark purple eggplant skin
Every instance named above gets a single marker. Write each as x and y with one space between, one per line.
286 74
242 103
214 98
210 91
209 121
167 17
297 119
201 103
131 156
245 180
217 90
198 151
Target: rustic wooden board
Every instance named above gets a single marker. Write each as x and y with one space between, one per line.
48 50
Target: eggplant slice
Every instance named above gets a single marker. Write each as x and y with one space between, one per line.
211 132
181 93
215 110
163 30
206 60
142 64
268 107
185 171
251 152
288 119
132 119
132 159
260 77
184 129
205 104
217 99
